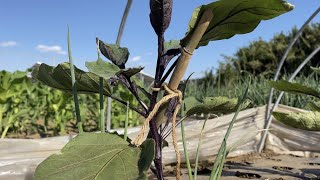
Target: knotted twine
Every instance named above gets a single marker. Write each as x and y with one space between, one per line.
170 95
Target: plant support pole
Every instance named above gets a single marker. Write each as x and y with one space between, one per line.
123 21
108 123
101 96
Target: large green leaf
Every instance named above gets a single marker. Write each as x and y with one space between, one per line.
102 68
59 77
215 105
94 156
118 55
302 120
294 88
231 17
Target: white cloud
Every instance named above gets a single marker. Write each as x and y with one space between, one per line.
8 44
54 49
136 58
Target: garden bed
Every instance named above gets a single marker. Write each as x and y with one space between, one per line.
19 157
259 166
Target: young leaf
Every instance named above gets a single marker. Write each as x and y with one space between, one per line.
294 88
222 153
160 15
146 157
102 156
130 71
217 105
309 121
102 68
232 17
59 77
116 54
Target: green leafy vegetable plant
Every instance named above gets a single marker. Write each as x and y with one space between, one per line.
50 112
105 155
302 120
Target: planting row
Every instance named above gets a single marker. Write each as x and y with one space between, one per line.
29 108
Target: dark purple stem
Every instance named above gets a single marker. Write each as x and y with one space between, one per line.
135 93
153 127
131 87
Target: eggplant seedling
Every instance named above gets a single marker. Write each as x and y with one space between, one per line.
108 156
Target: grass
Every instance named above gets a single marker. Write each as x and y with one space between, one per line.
258 92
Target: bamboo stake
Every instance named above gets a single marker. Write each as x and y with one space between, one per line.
185 57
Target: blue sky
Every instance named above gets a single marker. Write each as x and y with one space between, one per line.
36 30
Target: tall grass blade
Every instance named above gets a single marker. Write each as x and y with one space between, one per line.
185 150
222 150
220 168
198 149
101 99
74 87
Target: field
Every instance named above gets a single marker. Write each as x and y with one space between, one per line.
254 113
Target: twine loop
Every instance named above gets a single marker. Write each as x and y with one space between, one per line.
170 95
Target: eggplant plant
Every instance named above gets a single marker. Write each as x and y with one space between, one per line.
109 156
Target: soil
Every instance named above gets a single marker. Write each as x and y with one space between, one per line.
265 166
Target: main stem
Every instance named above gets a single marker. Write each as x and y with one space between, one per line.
176 77
153 127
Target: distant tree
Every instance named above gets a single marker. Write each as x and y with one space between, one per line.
262 57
